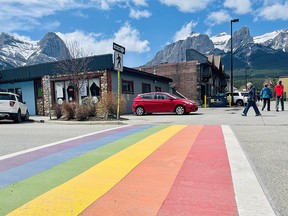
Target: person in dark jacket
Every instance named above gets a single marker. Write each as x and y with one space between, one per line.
266 94
252 98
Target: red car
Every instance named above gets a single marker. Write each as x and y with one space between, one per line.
153 102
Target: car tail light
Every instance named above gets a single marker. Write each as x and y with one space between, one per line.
12 103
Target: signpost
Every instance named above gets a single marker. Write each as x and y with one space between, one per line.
119 51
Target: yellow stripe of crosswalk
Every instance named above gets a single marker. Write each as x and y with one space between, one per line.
72 197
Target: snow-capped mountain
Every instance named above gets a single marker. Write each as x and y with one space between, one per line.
220 41
15 52
267 49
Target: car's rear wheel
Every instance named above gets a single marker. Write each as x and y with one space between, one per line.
139 111
179 110
26 117
17 118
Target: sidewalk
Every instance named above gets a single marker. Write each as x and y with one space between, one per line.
211 116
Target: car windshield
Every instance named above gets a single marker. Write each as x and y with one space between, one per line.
174 96
7 97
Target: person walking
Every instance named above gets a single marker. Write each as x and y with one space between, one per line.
252 98
266 94
279 90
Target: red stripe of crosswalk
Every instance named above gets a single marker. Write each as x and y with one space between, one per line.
204 184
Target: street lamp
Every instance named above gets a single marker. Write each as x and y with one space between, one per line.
231 81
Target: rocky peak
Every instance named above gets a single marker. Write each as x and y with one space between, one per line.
240 38
52 45
6 39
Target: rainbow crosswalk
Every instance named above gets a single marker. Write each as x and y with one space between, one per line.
130 170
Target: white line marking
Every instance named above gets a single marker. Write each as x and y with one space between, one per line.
55 143
250 197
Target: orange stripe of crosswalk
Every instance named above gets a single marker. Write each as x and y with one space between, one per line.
149 183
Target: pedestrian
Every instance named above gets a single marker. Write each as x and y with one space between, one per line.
266 95
279 90
252 98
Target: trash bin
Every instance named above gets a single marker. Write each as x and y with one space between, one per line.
218 101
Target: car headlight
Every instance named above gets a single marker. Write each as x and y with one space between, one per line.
189 103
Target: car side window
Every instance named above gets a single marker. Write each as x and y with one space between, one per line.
159 97
19 99
147 96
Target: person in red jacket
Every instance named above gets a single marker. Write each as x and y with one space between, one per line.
279 91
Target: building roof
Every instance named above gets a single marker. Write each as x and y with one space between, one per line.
136 72
95 63
31 72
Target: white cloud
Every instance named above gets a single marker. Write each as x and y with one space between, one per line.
95 44
137 14
140 2
218 17
274 12
187 5
184 31
239 6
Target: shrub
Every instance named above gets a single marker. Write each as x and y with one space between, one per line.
82 112
58 111
108 104
68 110
90 104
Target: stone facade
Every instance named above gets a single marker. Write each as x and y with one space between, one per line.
46 100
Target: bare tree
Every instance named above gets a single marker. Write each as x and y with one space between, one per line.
75 68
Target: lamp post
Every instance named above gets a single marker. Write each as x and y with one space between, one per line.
231 81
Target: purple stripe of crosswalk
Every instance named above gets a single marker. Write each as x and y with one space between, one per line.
30 156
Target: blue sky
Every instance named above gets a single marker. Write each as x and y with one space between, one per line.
143 27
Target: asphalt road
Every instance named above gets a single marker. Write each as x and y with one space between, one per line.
264 140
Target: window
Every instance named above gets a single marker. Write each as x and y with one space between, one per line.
146 88
161 97
147 96
157 89
39 89
127 87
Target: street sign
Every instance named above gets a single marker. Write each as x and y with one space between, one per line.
119 48
118 61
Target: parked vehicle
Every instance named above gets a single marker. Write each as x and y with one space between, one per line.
12 107
155 102
239 98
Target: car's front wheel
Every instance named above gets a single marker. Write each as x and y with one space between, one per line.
179 110
139 111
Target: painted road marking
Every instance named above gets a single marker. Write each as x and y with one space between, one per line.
250 197
145 188
71 150
72 197
16 195
204 183
149 164
54 143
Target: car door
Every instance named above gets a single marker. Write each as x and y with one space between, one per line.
148 102
163 103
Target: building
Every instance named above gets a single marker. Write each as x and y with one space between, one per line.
196 78
44 85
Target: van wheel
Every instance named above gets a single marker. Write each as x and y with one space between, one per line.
17 118
179 110
239 103
139 111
